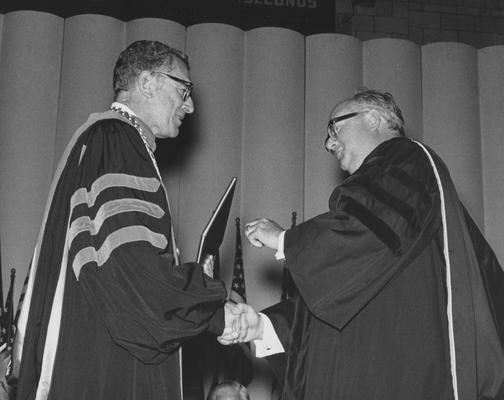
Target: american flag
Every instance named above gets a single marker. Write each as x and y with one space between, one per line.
238 294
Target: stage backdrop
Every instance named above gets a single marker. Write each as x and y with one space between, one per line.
262 101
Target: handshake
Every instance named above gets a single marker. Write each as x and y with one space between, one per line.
242 324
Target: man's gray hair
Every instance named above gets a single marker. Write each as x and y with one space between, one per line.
143 55
384 103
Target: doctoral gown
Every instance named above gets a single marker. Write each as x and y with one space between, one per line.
106 306
384 311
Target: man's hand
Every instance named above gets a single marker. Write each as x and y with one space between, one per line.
251 324
232 324
263 232
208 265
249 327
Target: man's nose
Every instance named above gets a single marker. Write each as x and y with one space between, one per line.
188 105
330 144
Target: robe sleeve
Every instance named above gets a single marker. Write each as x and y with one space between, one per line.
378 219
120 253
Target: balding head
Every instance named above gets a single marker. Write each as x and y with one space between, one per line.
228 390
384 103
359 124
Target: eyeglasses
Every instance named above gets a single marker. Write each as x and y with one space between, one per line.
333 130
188 86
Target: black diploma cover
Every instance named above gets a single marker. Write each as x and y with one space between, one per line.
213 233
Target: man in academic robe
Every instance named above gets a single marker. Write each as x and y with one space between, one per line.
107 304
400 296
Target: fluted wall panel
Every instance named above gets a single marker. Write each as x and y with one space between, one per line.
451 116
273 144
169 32
395 65
273 149
213 150
30 59
333 72
491 76
90 48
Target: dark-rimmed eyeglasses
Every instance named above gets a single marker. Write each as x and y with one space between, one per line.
188 86
333 130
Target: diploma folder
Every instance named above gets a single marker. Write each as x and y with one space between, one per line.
213 233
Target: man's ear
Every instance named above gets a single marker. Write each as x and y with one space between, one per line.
146 84
373 119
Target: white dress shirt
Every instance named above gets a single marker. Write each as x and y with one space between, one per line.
270 344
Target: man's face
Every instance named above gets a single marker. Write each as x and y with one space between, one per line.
167 106
348 138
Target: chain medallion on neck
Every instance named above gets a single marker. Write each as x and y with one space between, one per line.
134 121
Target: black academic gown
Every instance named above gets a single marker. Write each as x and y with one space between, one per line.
122 307
372 319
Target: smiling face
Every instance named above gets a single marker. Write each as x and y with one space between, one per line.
167 107
351 138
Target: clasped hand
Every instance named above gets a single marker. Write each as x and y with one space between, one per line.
242 324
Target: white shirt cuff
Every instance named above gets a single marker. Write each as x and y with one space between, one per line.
269 344
279 255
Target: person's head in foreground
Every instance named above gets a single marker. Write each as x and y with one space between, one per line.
228 390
